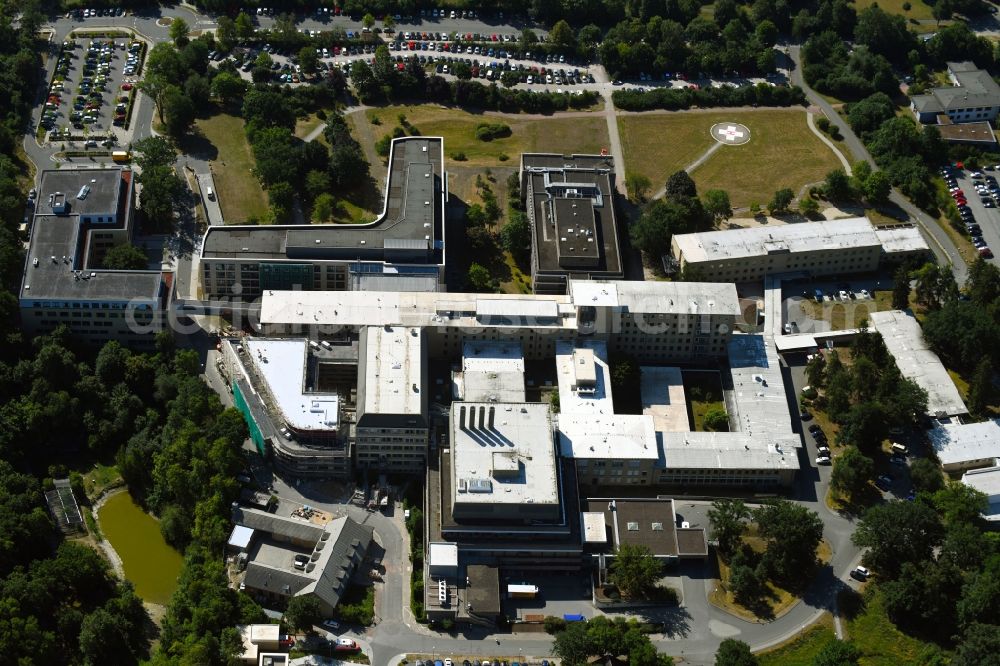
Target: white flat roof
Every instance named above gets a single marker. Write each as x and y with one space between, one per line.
393 373
516 307
658 297
901 239
492 356
727 450
962 443
663 398
905 341
594 529
607 436
443 555
514 462
986 481
240 536
854 232
571 401
281 364
758 387
265 632
376 308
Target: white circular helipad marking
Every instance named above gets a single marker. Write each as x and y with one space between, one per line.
732 134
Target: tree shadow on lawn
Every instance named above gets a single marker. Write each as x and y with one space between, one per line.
197 145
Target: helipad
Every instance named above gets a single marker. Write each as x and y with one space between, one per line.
732 134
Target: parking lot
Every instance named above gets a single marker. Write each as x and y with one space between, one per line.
817 306
976 194
92 87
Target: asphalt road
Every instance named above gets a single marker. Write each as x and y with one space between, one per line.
695 630
938 240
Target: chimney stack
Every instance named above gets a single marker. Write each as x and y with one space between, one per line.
492 413
461 417
482 417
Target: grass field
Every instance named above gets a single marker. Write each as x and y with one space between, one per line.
100 477
803 648
645 137
782 152
881 643
918 9
555 134
240 193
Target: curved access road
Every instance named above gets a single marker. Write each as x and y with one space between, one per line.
940 242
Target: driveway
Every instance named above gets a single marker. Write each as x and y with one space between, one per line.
938 240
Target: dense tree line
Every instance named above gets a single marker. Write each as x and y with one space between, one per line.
576 642
675 99
963 331
936 568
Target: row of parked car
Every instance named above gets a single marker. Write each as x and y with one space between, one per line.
95 13
477 662
988 192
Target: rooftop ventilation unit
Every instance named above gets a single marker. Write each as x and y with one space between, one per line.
84 191
480 486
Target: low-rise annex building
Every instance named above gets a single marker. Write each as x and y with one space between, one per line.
287 557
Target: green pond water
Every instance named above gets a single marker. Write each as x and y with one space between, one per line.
151 564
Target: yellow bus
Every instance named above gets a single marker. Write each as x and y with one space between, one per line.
121 156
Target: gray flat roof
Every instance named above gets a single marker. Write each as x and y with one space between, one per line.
901 239
905 341
726 450
104 189
393 371
759 389
410 227
572 203
64 237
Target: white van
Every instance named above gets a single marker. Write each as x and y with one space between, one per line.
211 194
326 345
314 345
899 448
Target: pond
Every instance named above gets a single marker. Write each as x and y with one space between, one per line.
150 563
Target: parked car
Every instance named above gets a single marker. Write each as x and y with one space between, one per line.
331 624
860 573
823 460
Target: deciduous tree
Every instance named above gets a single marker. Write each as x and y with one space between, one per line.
729 520
635 570
896 533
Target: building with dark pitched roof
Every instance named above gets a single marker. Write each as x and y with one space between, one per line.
973 97
287 557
